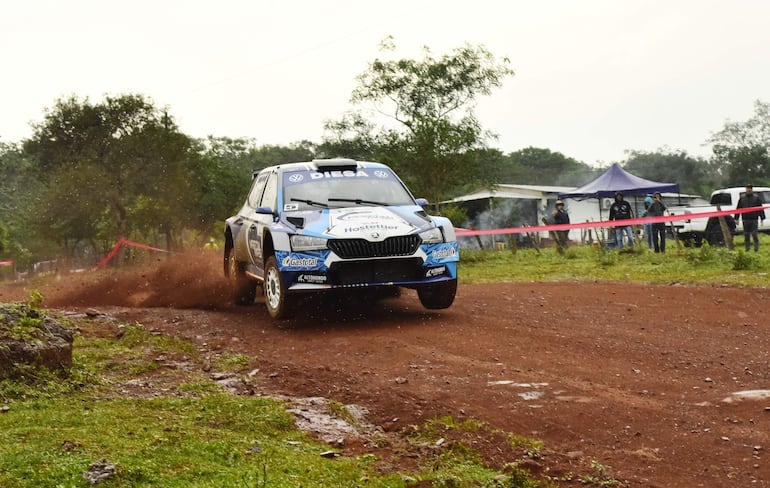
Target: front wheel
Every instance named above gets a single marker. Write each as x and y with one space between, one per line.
277 299
438 295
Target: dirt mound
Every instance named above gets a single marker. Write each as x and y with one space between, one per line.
29 337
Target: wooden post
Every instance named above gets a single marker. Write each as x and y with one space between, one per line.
726 232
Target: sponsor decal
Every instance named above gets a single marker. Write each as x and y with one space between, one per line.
256 248
339 174
443 253
306 176
374 223
438 254
290 207
361 228
312 279
299 261
435 272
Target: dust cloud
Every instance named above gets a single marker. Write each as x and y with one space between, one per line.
177 281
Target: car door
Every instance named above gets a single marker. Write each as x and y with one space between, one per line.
263 217
246 248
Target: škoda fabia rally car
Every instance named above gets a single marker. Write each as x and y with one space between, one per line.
334 224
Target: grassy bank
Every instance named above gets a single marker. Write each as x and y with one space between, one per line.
704 265
146 409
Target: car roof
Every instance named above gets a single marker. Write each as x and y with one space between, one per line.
741 188
333 164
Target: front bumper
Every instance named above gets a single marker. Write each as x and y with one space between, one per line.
314 270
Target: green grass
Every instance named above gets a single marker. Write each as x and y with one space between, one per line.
704 265
216 440
186 431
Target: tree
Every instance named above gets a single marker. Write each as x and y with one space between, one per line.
743 148
539 166
17 186
352 136
226 168
99 160
431 102
694 175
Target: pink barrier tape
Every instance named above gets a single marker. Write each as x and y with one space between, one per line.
605 223
142 246
123 242
6 263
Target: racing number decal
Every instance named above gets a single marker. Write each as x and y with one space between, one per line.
255 243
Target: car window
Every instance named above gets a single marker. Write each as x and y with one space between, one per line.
764 195
255 194
270 195
721 199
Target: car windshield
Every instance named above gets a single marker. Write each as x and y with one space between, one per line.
311 190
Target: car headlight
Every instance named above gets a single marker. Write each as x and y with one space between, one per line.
307 243
432 236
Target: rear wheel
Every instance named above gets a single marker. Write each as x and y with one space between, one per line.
243 290
438 295
278 301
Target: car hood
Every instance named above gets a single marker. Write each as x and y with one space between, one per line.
370 223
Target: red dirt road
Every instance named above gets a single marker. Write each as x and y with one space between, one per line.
641 379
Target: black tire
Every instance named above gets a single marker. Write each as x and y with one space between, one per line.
438 295
278 301
243 290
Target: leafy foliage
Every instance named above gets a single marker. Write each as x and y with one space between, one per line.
744 148
100 159
693 175
431 101
539 166
94 171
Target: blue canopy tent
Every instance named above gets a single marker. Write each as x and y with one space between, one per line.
616 179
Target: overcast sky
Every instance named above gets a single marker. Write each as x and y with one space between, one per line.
594 78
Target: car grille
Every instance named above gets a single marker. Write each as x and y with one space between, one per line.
378 271
361 248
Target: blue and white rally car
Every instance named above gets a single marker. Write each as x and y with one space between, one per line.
336 223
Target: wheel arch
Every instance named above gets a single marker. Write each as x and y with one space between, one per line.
231 231
268 246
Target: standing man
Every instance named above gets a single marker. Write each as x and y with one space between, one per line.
657 209
750 225
621 210
560 216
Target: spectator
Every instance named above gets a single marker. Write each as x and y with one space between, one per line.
657 209
560 216
621 210
211 246
750 227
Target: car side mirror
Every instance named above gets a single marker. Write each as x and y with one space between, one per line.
265 211
422 202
